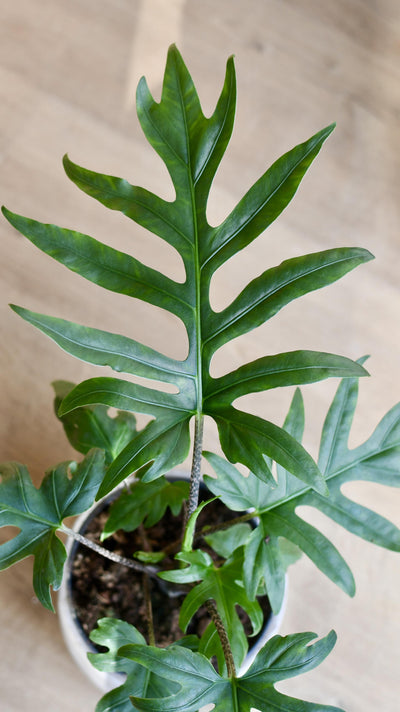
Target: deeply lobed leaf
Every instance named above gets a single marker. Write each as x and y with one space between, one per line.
192 146
376 460
199 684
67 490
113 634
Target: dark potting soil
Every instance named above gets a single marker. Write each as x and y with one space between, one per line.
102 588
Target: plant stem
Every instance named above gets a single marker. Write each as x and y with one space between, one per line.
147 590
226 646
130 563
149 610
196 466
192 506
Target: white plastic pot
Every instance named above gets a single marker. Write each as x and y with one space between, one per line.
76 640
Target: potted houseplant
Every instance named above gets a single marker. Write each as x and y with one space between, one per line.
232 563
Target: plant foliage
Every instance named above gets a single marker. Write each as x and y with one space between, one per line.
66 490
192 147
113 634
92 426
245 559
375 460
199 684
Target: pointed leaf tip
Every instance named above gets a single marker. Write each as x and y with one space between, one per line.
7 213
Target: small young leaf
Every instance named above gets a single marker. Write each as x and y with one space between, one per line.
227 541
149 557
187 543
199 562
224 586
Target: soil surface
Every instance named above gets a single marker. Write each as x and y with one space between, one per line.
102 588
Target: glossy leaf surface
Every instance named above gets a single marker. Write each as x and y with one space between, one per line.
192 146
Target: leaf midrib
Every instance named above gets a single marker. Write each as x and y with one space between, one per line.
112 193
163 369
222 126
148 401
197 272
271 373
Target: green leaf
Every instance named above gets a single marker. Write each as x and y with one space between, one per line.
91 426
265 200
287 369
224 586
67 490
113 634
263 564
163 442
145 502
149 557
199 562
276 510
187 542
239 493
192 146
249 439
227 541
267 294
210 646
125 395
105 349
376 460
199 684
103 265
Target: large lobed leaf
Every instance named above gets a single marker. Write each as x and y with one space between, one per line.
376 460
199 684
67 490
192 146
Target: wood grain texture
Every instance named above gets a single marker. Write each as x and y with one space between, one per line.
67 78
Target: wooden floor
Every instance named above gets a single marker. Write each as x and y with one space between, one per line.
68 72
